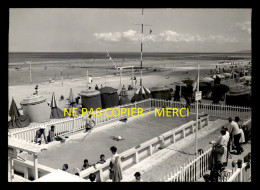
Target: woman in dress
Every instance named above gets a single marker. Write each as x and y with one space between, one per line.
115 166
222 142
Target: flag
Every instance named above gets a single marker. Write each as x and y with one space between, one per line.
195 83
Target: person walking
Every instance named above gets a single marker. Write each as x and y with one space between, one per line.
115 167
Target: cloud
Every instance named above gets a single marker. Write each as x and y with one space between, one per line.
166 36
244 26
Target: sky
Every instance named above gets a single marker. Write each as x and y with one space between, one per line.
116 30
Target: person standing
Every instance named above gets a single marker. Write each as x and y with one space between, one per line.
115 167
242 136
237 137
222 144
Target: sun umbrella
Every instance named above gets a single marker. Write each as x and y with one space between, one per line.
56 112
141 94
17 120
71 97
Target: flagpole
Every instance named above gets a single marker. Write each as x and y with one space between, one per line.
87 79
30 71
142 48
61 77
197 103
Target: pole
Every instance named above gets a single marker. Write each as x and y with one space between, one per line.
35 166
133 77
61 77
142 48
197 106
30 72
120 77
106 75
87 79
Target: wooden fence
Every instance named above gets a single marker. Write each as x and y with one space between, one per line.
70 125
192 170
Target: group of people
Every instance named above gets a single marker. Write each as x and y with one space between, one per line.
115 168
40 136
232 137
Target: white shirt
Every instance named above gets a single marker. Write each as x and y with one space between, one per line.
235 128
113 159
227 136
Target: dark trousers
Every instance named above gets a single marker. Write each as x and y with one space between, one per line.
237 144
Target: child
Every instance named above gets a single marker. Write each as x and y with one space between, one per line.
102 159
85 165
138 177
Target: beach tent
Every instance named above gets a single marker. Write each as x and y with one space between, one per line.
245 78
90 99
124 100
239 95
218 92
178 86
36 107
123 92
109 97
161 92
17 120
227 75
140 94
56 113
60 176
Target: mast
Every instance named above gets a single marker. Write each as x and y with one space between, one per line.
142 26
30 72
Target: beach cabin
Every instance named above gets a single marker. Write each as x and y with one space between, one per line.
161 92
239 95
109 97
36 107
90 99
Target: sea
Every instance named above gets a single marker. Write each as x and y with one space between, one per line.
51 65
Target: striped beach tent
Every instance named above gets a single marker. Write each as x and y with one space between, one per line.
141 94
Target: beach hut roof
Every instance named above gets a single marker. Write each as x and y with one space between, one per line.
34 99
107 90
159 89
179 83
207 79
89 93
